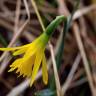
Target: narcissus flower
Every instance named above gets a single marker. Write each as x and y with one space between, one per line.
33 55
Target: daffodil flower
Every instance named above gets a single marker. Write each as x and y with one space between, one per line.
33 55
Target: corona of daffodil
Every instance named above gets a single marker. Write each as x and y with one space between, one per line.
33 55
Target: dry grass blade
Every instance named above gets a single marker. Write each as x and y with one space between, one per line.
38 15
77 72
81 48
5 54
58 87
71 74
84 58
84 11
20 30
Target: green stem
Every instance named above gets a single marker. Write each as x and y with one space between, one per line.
53 25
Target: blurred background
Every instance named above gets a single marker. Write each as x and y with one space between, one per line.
76 64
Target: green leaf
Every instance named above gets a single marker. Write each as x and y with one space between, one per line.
59 55
3 41
46 92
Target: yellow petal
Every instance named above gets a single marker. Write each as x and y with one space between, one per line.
8 49
44 70
34 46
20 51
26 67
37 63
15 65
14 48
31 51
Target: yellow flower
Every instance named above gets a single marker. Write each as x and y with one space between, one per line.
34 56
